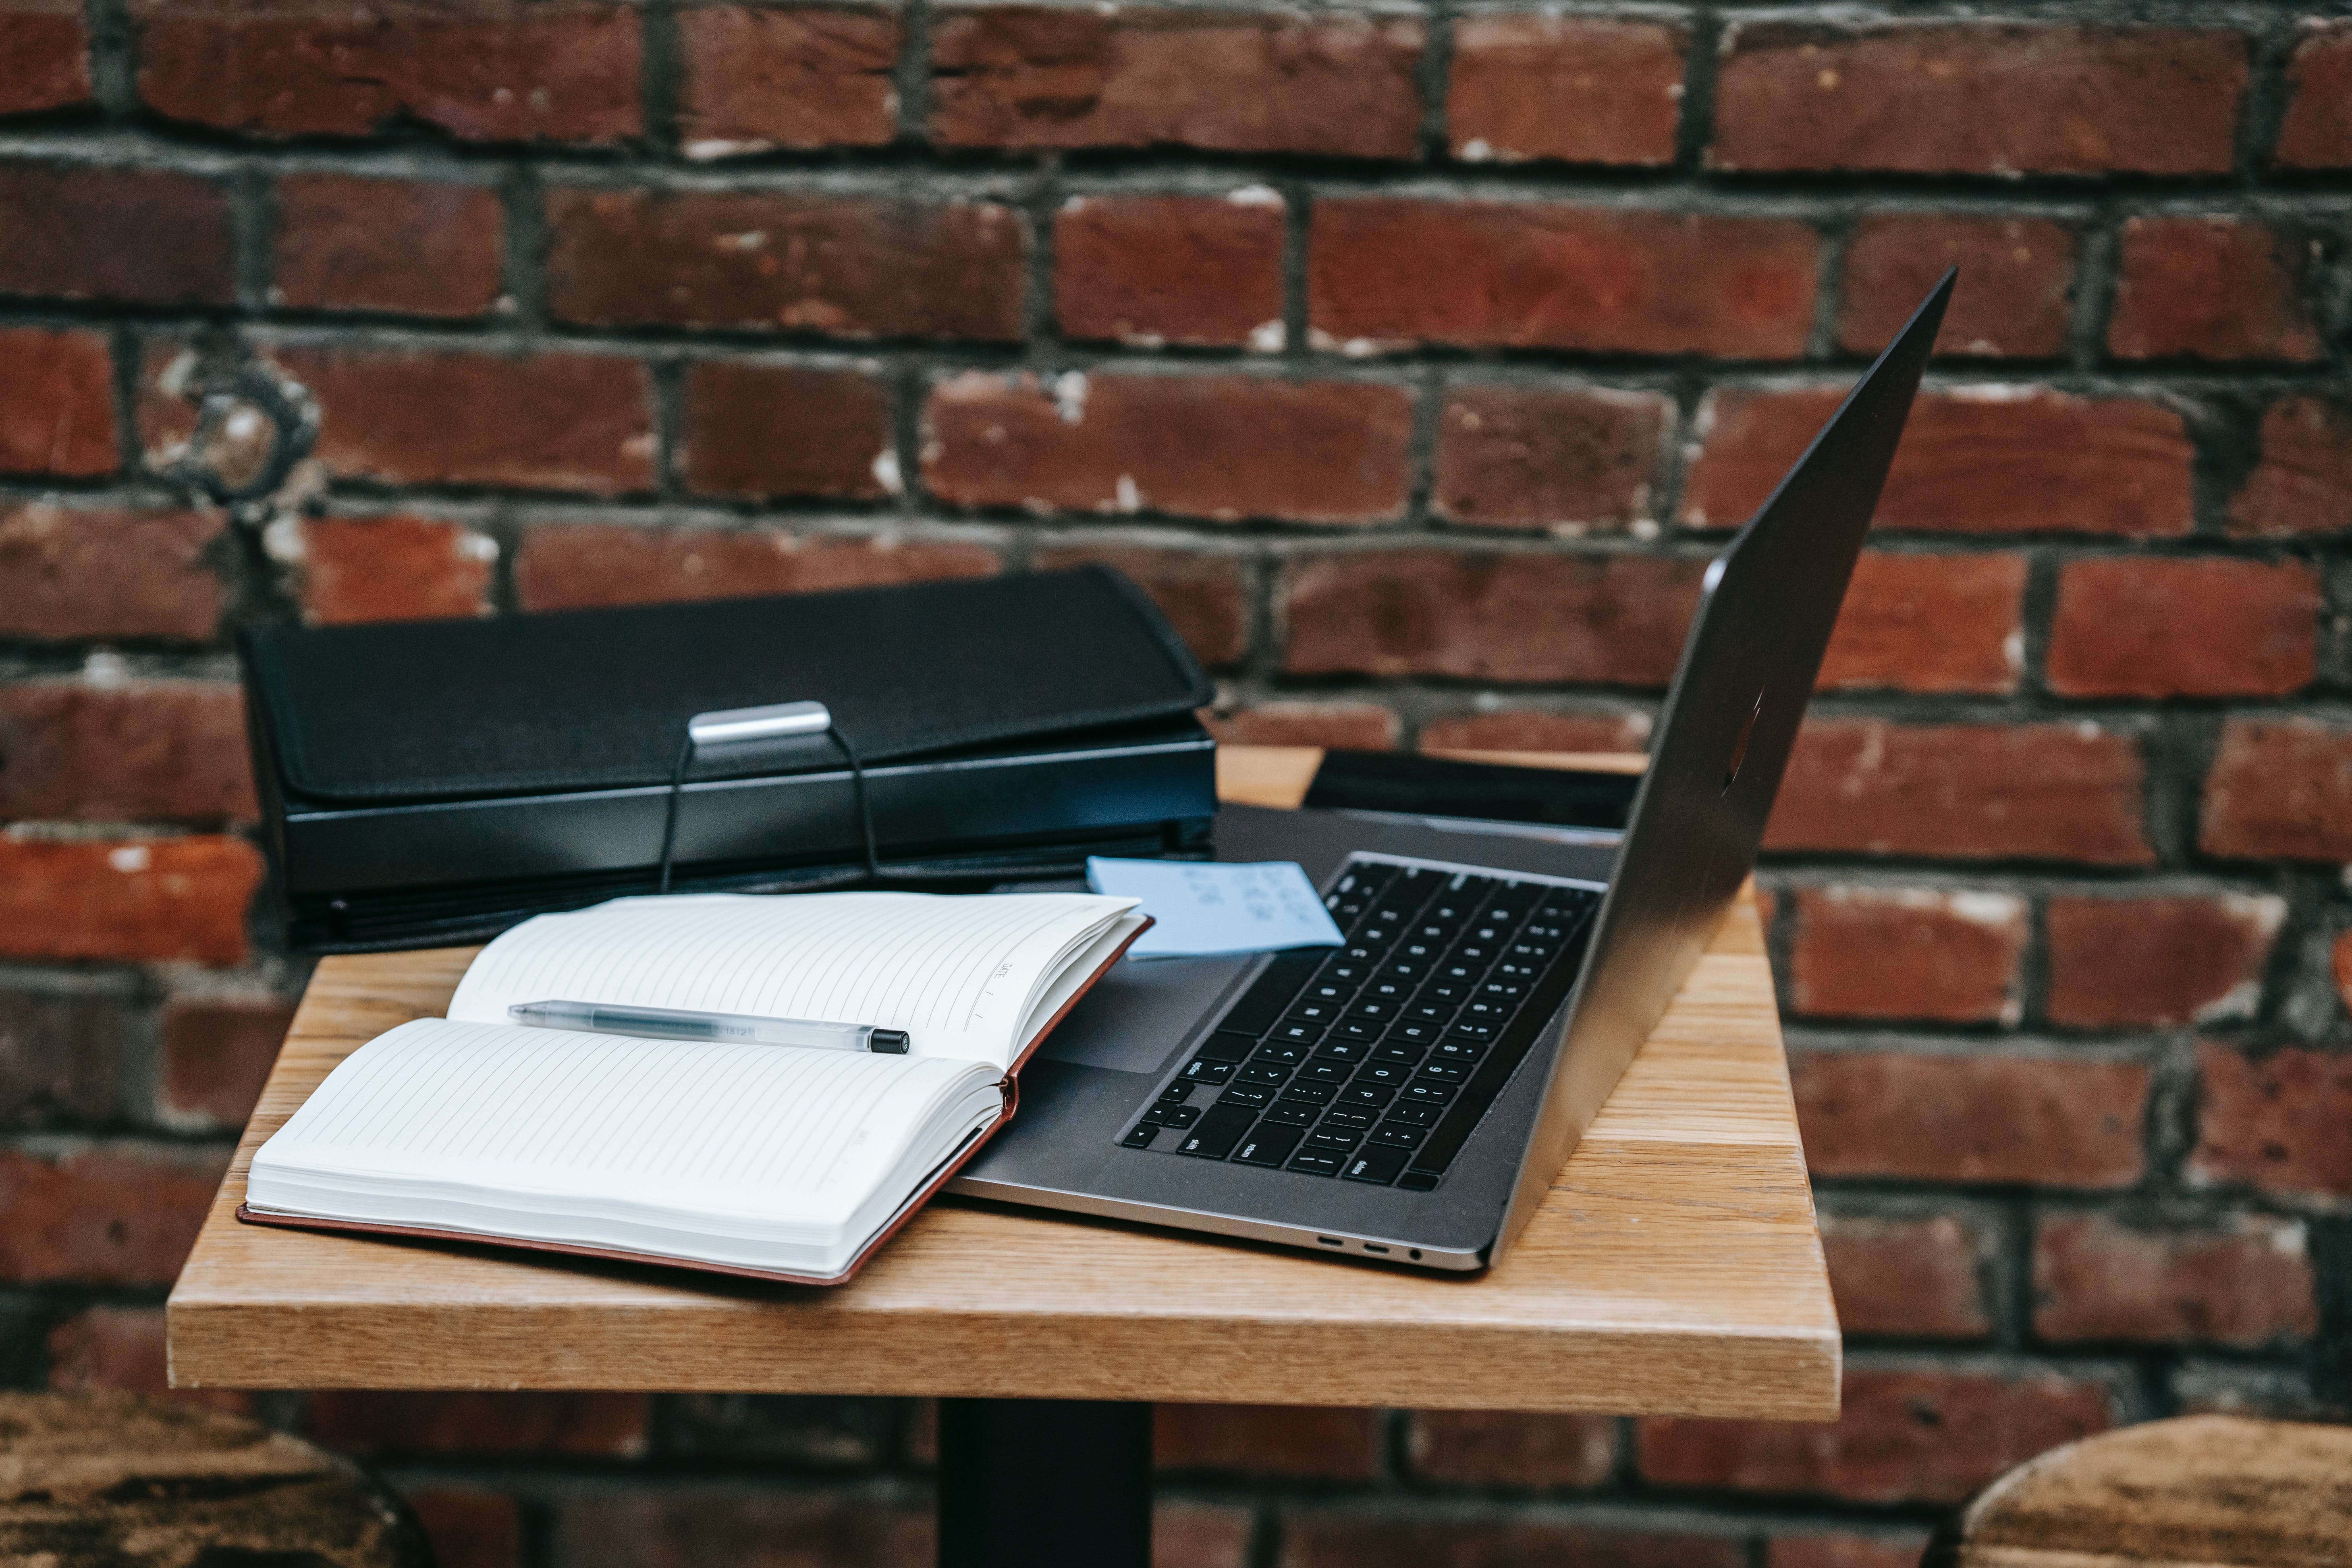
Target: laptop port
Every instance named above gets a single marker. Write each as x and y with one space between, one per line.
1371 1248
1331 1241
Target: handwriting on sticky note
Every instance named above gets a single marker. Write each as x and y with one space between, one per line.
1210 908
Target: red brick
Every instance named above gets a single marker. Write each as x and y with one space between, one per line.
1293 1441
1232 81
1201 1536
1579 89
116 1214
2012 299
1387 271
583 1426
1221 447
2276 1122
2123 963
43 56
1934 96
470 1528
1913 1436
59 1057
1615 620
1989 460
2141 626
1203 593
1905 952
1886 1549
1938 624
143 751
1497 1448
2055 1121
217 1051
67 575
2317 133
1984 792
56 404
1533 730
1908 1278
575 566
760 430
424 248
2279 790
1147 269
146 237
840 266
1569 460
752 78
554 421
1349 726
392 569
121 1350
162 898
493 70
2213 288
694 1527
2246 1283
2302 482
1387 1539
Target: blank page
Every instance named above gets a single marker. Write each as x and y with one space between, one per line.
957 973
759 1142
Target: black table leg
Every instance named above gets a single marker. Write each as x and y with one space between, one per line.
1045 1483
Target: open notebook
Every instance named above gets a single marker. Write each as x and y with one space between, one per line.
777 1161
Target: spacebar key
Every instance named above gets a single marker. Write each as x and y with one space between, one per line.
1270 998
1219 1131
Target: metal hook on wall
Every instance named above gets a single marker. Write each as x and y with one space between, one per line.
283 404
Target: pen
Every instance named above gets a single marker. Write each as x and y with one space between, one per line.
666 1024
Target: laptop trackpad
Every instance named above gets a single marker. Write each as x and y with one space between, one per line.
1139 1012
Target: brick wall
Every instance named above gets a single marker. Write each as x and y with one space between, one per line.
1415 357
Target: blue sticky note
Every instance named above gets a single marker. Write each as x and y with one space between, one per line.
1209 908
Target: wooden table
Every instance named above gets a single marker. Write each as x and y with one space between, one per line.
1675 1267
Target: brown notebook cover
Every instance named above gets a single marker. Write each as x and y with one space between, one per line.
938 1178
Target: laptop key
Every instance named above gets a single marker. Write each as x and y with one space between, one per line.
1314 1093
1419 1033
1282 1051
1219 1131
1315 1162
1323 1070
1475 1029
1319 1014
1413 1115
1446 1072
1139 1136
1426 1093
1457 1050
1333 1141
1265 1072
1379 1164
1374 1095
1177 1093
1372 1008
1299 1034
1292 1112
1393 1049
1172 1115
1200 1069
1388 1074
1343 1048
1399 1134
1244 1094
1268 1143
1225 1047
1417 1182
1345 1115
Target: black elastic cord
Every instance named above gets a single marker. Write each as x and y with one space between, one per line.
669 818
864 808
857 785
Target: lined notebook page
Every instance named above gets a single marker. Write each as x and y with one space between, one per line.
956 974
783 1139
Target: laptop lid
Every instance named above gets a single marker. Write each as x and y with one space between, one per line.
1729 722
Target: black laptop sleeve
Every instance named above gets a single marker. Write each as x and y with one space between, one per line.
436 781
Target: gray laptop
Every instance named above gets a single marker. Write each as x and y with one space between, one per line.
1411 1094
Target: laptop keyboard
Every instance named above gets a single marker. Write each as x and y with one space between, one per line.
1374 1060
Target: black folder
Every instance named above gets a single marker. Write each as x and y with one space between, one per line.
434 782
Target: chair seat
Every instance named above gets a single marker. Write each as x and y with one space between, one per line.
87 1480
2222 1490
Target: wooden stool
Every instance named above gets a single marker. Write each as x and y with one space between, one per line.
107 1479
2206 1489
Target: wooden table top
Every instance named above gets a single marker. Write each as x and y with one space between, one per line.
1674 1269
